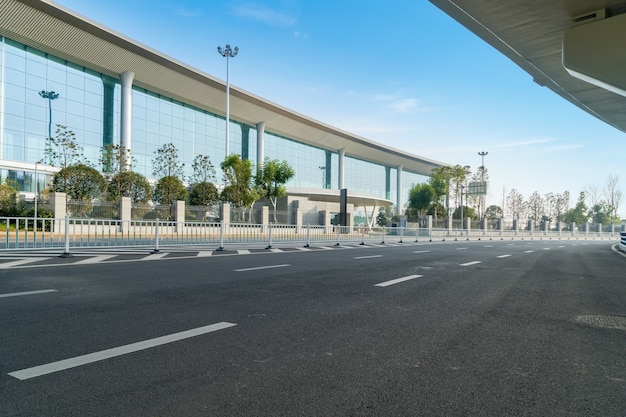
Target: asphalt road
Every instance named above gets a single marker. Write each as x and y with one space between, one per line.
524 328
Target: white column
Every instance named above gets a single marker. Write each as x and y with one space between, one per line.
260 144
126 113
399 201
342 154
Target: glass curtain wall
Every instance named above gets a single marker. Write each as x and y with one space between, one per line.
88 104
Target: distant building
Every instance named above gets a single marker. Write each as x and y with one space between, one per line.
112 89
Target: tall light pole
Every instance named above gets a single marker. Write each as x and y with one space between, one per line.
36 190
462 191
49 95
482 180
227 53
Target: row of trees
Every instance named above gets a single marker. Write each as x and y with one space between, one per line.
445 194
81 181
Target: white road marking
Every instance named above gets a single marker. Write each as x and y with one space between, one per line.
261 267
154 256
503 256
118 351
488 246
398 280
367 257
528 251
94 259
471 263
547 248
460 248
204 253
421 251
18 294
20 262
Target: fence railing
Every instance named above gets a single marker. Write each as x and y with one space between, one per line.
30 233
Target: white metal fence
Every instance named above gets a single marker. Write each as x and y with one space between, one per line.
30 233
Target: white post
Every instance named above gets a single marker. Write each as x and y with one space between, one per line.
308 235
221 248
156 237
362 234
66 253
269 246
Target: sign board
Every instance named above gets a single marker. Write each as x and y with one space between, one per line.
477 188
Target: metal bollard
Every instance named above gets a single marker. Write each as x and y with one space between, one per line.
66 253
156 237
221 248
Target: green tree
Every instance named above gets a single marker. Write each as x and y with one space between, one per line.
166 163
440 179
421 198
80 182
579 214
384 216
115 159
8 199
203 194
238 182
169 190
271 179
468 212
493 213
203 170
64 149
129 184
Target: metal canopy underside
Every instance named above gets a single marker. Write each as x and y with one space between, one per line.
530 32
51 28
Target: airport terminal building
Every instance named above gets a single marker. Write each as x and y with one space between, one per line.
60 68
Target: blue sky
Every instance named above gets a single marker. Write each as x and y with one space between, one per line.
400 73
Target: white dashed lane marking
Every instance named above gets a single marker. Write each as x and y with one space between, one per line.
397 280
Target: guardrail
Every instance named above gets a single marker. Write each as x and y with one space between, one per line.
622 241
66 233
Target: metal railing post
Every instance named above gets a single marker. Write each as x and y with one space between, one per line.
66 253
308 236
221 248
156 237
269 227
362 234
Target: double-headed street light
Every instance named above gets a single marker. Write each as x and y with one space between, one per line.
227 53
49 95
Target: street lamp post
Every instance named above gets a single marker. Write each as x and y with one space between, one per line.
462 191
228 53
49 95
482 179
36 191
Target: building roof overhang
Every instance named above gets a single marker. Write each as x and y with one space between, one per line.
49 27
531 34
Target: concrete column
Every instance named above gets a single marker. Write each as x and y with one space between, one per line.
225 213
57 203
429 222
125 210
126 113
342 154
260 144
179 216
399 201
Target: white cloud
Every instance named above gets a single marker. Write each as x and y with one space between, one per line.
264 14
183 11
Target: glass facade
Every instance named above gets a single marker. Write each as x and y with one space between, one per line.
88 103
